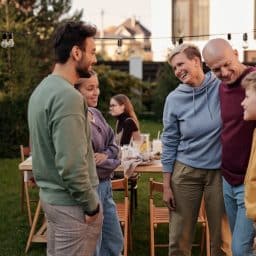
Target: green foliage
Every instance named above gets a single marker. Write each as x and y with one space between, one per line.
167 82
114 82
14 127
23 66
32 23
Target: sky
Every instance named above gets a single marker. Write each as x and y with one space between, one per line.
115 11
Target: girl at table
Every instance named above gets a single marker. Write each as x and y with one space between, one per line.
106 158
127 129
127 125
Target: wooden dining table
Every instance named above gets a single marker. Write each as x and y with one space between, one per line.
153 166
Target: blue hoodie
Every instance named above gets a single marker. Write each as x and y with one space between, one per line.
192 126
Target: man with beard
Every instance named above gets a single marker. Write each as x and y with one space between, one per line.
63 163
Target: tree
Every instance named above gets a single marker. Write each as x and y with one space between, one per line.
22 67
167 82
32 24
114 82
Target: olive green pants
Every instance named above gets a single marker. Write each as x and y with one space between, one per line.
189 185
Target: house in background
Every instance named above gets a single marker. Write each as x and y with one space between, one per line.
135 40
197 21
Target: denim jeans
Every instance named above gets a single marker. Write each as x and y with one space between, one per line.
110 242
241 227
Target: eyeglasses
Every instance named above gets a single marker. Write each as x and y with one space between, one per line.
113 105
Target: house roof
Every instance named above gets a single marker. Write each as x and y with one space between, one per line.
135 27
129 28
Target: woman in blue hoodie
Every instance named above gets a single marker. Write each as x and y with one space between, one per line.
191 155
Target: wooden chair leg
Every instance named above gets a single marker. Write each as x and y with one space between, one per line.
202 240
28 203
131 201
208 243
135 197
125 240
152 238
22 192
130 233
33 227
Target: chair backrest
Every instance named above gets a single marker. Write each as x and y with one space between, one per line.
120 184
24 152
155 186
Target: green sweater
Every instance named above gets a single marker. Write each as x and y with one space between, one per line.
63 163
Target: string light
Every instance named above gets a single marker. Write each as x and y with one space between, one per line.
180 40
11 40
119 46
4 42
245 40
7 40
229 37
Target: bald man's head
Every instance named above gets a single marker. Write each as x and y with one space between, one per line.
216 48
222 60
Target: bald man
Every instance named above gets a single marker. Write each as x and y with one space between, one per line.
236 139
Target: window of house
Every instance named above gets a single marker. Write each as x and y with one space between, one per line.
190 18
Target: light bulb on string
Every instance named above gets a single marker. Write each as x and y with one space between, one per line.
119 46
229 37
4 42
180 41
245 40
10 40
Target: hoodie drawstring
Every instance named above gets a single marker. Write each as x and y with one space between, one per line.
194 102
208 102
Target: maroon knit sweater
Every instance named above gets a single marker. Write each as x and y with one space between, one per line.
236 133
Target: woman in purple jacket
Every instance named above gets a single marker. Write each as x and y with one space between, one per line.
106 158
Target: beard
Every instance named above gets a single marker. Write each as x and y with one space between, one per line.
83 73
82 69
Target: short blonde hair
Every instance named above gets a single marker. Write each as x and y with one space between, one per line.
249 81
190 50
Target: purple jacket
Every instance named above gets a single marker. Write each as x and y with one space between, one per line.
103 141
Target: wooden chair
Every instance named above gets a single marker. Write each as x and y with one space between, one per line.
123 211
39 236
160 215
157 215
133 188
26 184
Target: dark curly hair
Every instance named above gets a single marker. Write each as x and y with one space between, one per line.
69 34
